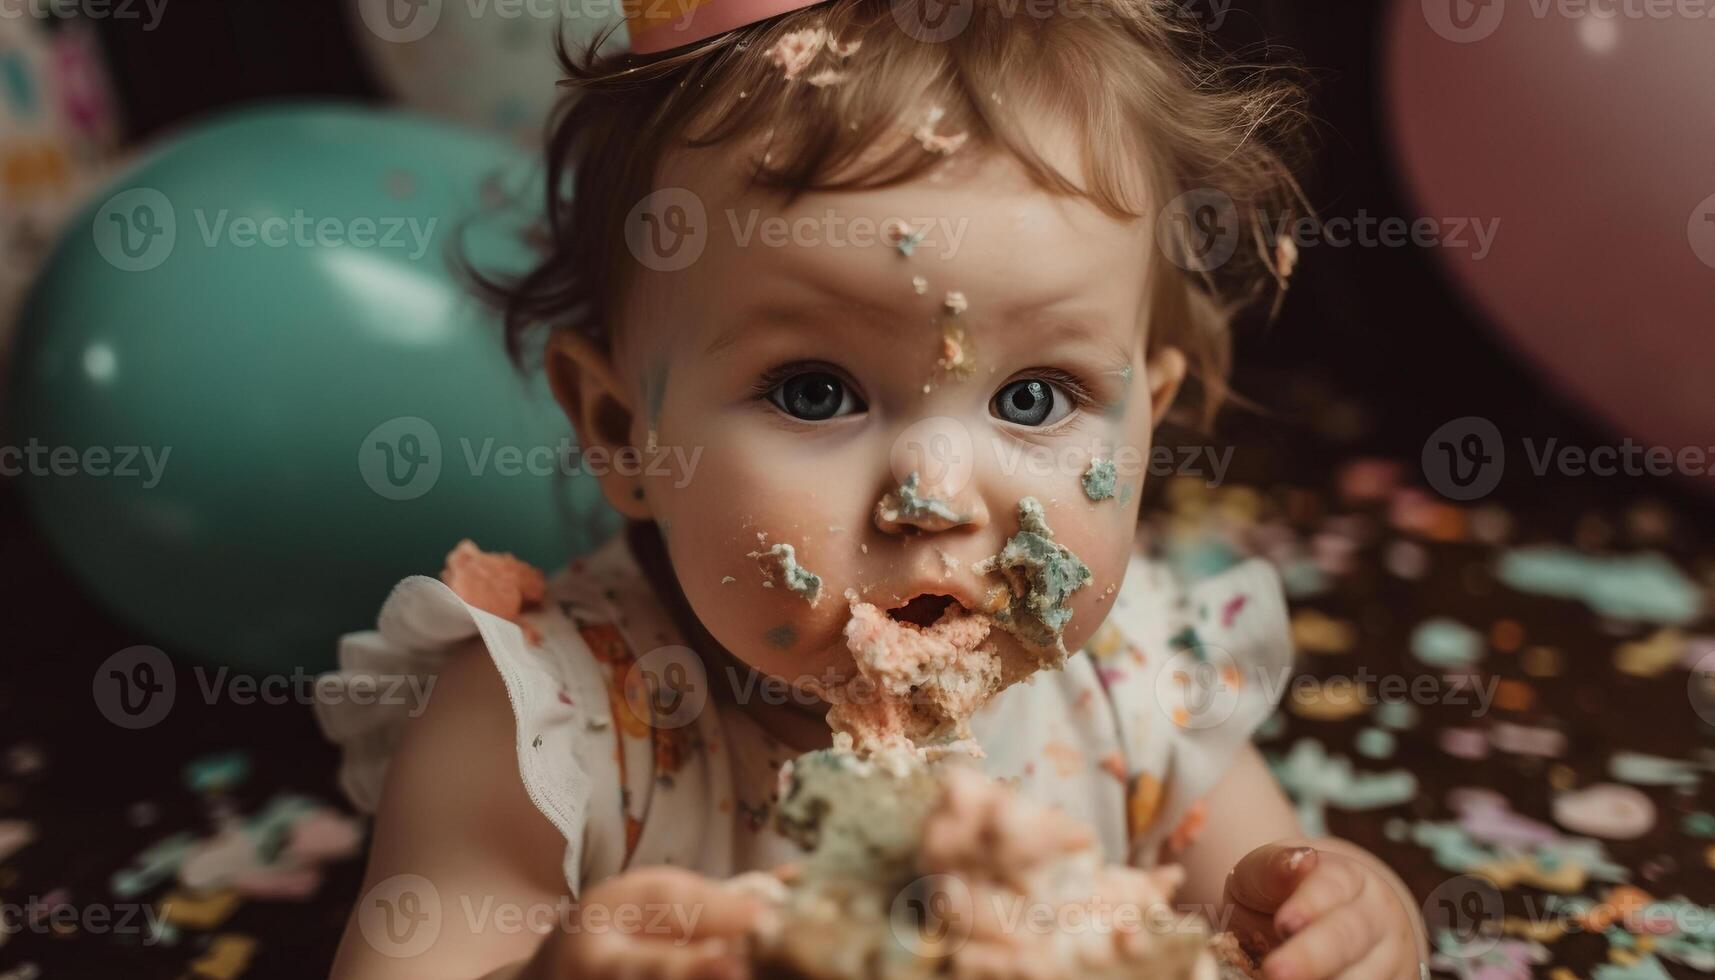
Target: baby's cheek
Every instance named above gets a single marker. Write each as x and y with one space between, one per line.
776 611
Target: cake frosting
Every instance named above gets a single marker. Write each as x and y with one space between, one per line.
918 865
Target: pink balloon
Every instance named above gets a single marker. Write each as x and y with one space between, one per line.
1587 127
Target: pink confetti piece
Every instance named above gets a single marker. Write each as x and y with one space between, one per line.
1528 740
1606 810
1464 743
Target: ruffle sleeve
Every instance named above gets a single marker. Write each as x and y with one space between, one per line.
565 741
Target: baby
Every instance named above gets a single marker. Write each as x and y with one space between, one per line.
912 284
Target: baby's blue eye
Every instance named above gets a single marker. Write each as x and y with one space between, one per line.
1031 401
814 396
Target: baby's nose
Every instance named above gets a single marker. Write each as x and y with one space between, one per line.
913 506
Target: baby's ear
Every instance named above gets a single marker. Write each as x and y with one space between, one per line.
1166 372
587 386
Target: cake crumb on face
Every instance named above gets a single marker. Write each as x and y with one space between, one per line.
1099 479
780 563
1041 574
913 683
908 503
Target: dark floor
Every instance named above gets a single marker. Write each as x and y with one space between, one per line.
80 795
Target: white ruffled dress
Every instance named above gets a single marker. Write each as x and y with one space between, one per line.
1128 738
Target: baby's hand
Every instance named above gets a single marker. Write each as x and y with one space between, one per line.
656 923
1321 914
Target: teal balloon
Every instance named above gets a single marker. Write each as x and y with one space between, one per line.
252 392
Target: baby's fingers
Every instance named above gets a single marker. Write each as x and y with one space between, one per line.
1328 946
666 902
1333 884
616 956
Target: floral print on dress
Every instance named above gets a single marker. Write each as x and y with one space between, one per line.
1113 739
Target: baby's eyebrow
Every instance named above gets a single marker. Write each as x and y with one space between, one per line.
754 320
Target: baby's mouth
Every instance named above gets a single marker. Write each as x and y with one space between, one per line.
924 610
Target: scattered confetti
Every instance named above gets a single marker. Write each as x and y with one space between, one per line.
1316 780
1606 810
1375 743
1653 656
1443 642
1333 700
1397 716
1314 632
1651 770
1645 587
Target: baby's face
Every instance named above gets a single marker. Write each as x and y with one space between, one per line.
816 374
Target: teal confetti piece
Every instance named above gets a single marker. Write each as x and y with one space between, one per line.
1443 642
1645 587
